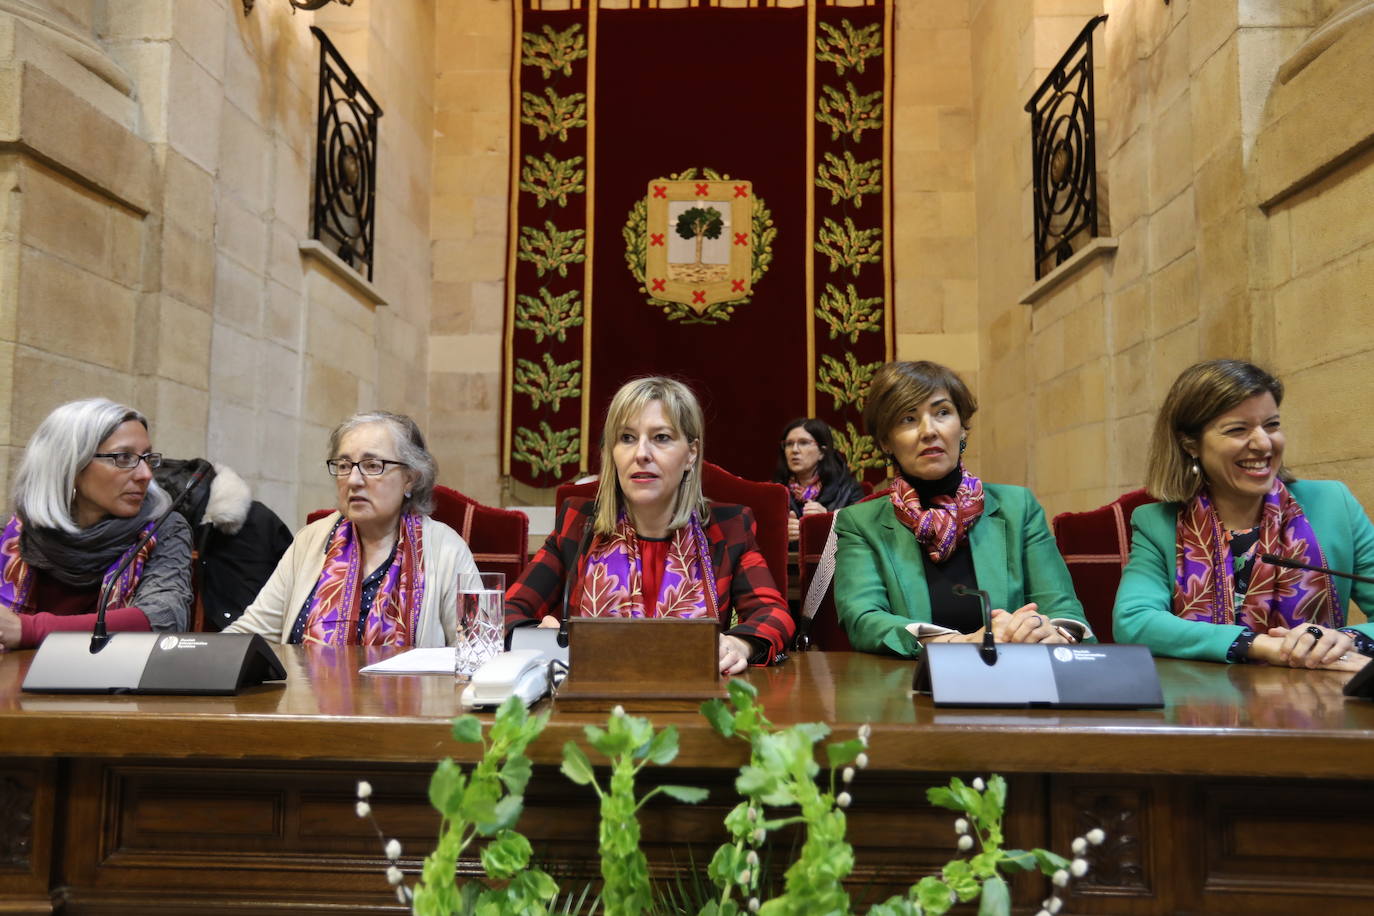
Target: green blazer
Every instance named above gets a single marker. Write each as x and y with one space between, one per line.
880 581
1144 611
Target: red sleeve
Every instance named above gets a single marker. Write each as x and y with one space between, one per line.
33 628
539 590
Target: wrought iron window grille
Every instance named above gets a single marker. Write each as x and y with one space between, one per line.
1064 155
345 161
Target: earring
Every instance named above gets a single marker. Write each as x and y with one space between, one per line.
963 444
1194 467
407 494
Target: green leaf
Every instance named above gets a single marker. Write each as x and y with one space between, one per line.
467 729
1017 860
742 693
688 794
504 815
958 875
576 766
842 753
725 865
1050 862
663 746
995 899
515 773
506 854
943 798
995 798
446 788
720 717
933 895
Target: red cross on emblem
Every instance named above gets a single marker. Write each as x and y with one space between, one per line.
741 190
737 285
741 238
661 191
698 295
702 189
655 238
658 284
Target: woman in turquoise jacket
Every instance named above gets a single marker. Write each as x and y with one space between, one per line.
1198 584
899 558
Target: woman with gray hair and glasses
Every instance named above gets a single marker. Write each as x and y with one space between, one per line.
83 498
379 571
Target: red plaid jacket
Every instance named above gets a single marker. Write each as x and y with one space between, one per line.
745 589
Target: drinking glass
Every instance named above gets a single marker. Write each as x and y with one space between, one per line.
481 620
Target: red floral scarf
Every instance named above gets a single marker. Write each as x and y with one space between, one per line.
941 526
16 577
1205 589
332 614
612 582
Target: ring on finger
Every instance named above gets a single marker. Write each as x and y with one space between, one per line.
1316 633
1039 621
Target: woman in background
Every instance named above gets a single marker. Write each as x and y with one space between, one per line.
1195 585
814 472
379 571
898 560
650 545
83 498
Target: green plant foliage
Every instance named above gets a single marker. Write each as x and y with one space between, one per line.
553 115
553 51
550 383
551 180
849 113
846 178
630 743
846 382
849 314
847 46
549 315
552 249
485 802
860 451
546 451
848 246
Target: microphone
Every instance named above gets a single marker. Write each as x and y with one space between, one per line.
99 638
1274 560
988 650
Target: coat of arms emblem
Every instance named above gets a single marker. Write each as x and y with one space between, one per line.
699 245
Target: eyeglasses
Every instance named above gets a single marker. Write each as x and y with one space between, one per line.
371 467
798 443
127 461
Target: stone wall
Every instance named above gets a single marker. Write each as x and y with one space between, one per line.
150 246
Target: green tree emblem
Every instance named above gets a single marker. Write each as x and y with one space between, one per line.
700 223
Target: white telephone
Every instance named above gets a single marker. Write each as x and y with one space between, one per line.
523 673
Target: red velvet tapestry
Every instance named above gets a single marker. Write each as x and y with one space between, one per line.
702 193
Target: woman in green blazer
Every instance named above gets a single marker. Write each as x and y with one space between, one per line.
898 559
1197 584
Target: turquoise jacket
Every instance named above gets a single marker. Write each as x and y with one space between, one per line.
880 581
1144 611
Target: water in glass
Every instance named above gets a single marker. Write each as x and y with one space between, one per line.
481 618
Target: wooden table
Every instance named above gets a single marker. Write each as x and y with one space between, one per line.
1250 792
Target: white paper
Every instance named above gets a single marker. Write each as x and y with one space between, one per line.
416 661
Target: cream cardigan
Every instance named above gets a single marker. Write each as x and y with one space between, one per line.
274 611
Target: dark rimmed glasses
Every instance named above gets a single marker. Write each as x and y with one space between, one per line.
370 467
127 461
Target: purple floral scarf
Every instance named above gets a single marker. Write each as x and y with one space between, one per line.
611 585
1205 589
332 614
17 578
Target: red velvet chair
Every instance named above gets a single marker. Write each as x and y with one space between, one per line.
498 538
1095 546
769 502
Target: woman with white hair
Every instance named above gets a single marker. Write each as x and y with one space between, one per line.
650 544
379 571
83 498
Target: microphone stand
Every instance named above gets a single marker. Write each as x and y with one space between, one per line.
988 650
99 637
1274 560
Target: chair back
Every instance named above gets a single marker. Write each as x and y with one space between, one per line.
1095 546
498 538
826 632
768 502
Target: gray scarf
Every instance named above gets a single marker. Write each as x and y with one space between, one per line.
82 558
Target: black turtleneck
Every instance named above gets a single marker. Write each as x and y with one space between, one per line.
946 609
